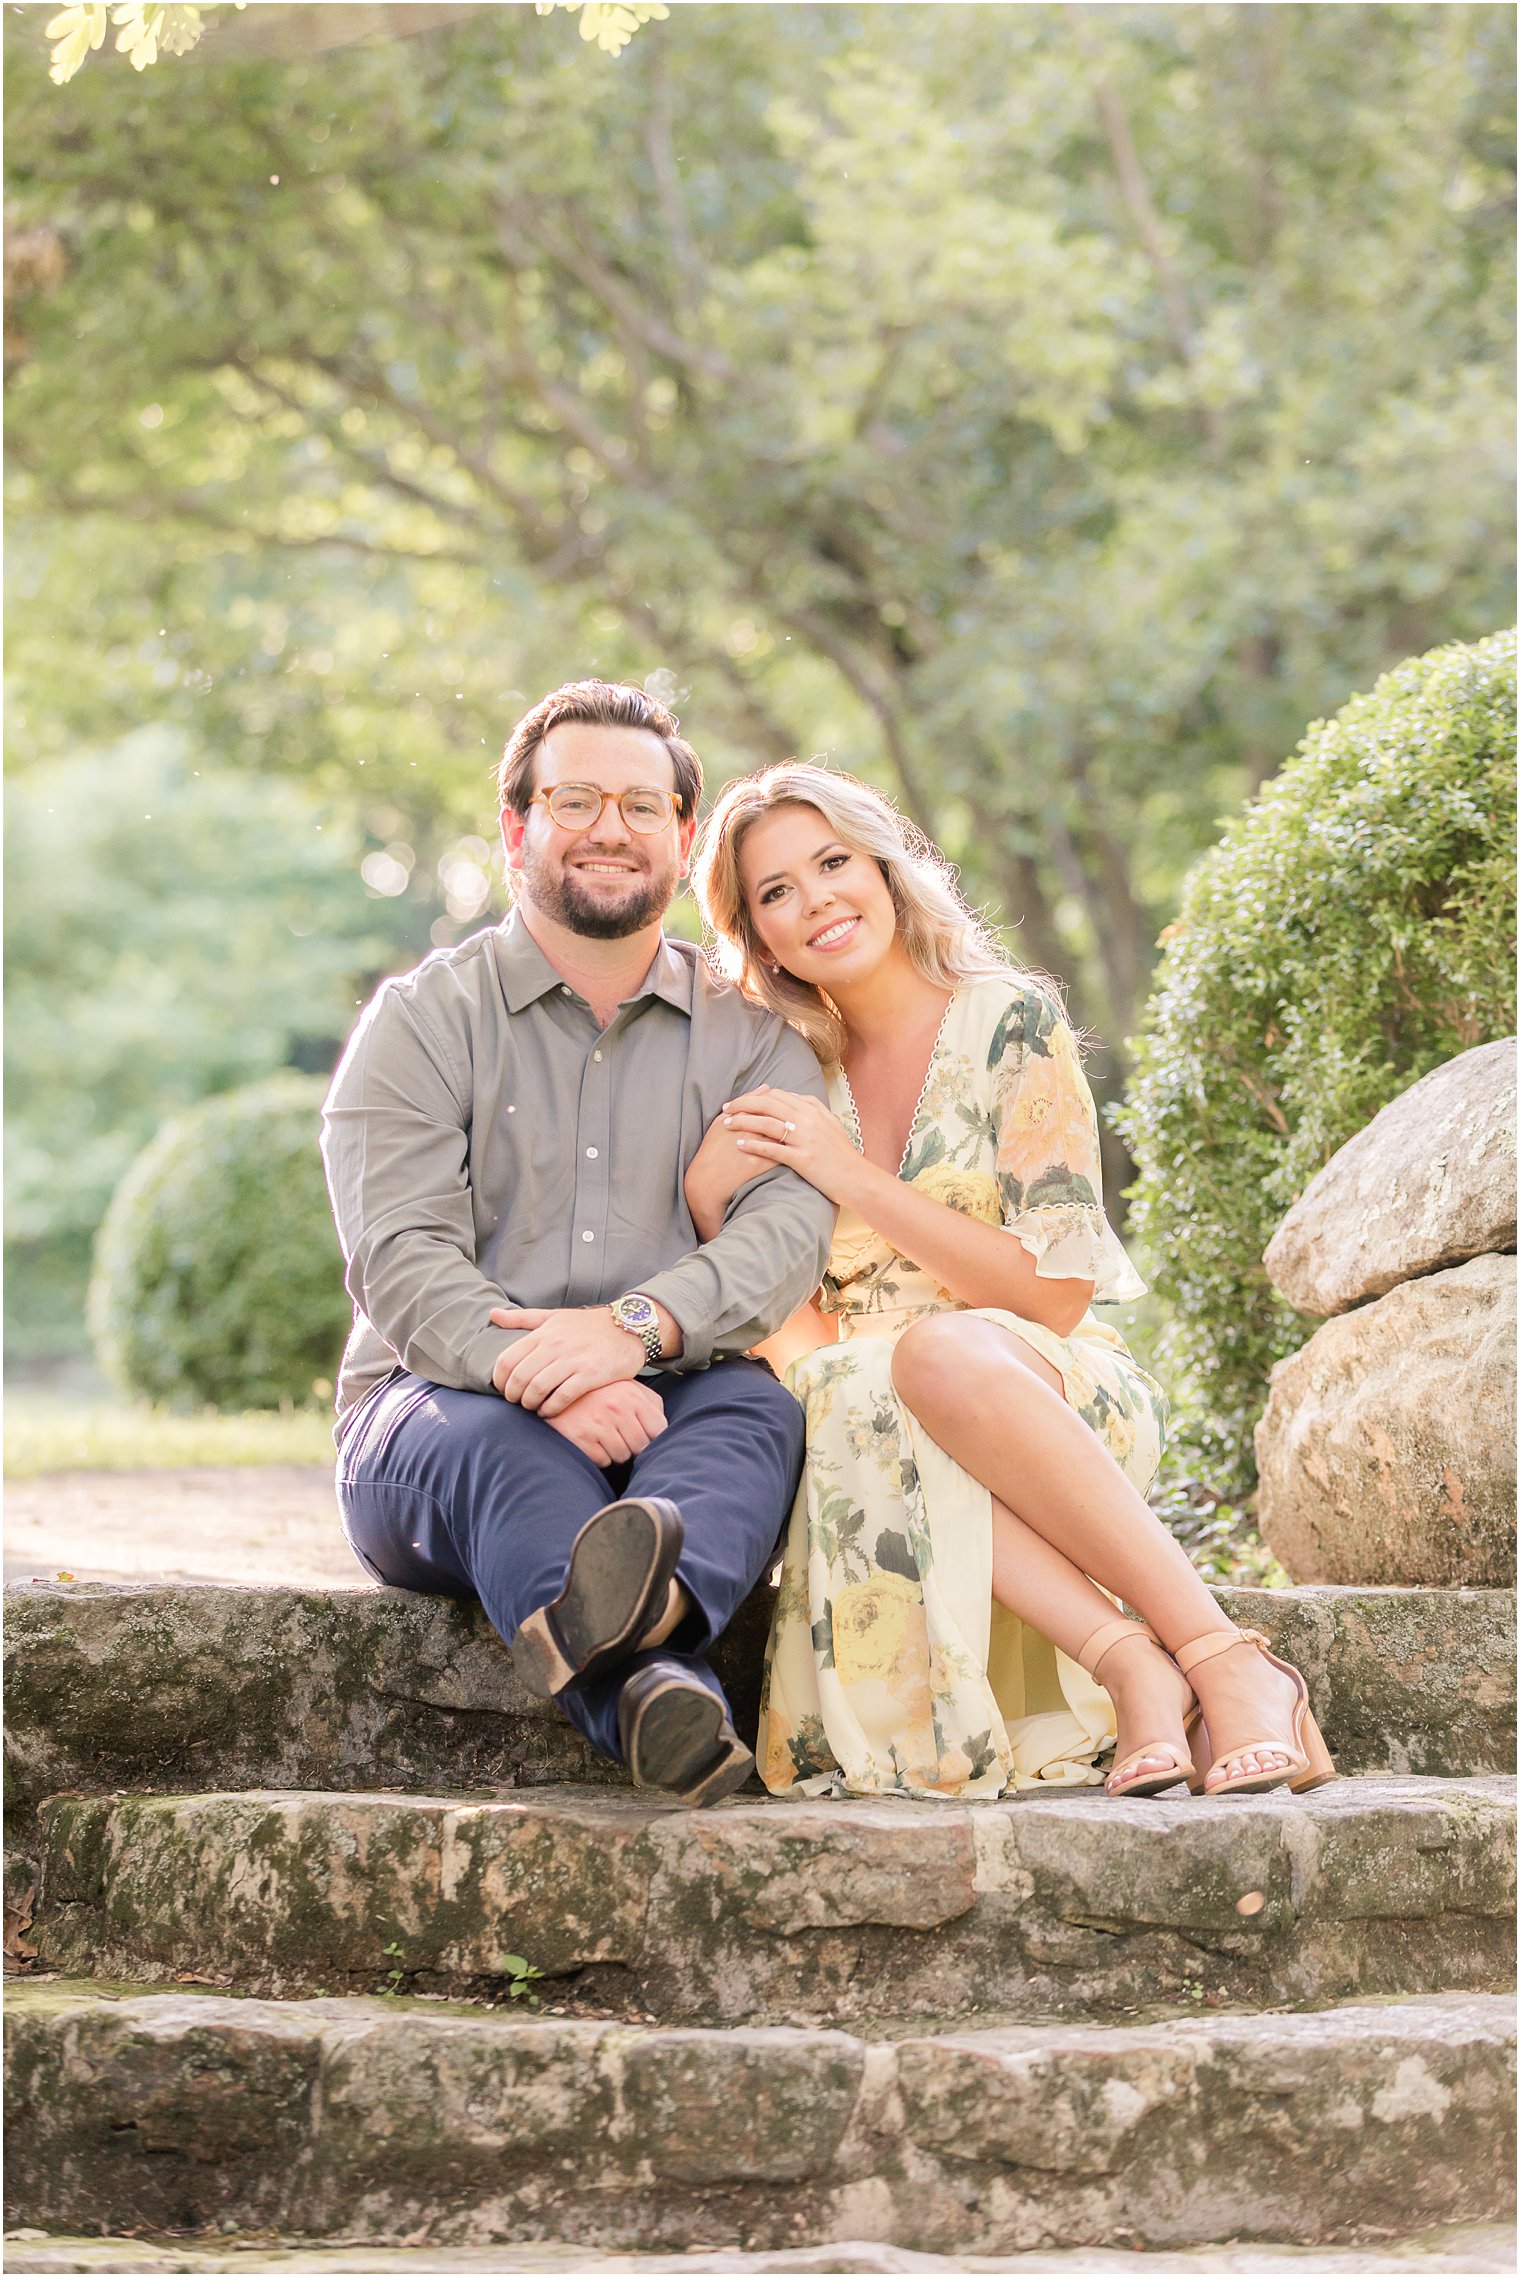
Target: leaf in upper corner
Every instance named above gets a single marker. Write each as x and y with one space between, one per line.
75 31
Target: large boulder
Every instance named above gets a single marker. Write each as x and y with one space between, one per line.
1428 1183
1387 1452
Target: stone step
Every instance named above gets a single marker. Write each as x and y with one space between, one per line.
386 2124
1058 1903
216 1687
1473 2249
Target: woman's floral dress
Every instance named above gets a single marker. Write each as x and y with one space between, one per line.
890 1668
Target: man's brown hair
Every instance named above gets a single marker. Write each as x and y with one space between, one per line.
594 703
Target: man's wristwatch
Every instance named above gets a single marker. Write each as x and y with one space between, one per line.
637 1314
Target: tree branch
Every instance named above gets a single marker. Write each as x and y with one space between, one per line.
301 31
659 144
575 257
819 634
372 464
1147 221
183 506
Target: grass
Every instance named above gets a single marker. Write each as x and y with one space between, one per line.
46 1433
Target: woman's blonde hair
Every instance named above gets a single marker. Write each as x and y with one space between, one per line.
947 942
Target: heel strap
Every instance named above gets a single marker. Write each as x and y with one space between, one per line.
1190 1656
1103 1639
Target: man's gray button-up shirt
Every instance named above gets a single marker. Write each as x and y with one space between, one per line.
487 1143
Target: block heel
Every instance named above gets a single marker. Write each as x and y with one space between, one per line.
1311 1764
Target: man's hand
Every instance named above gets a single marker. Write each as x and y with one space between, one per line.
565 1354
612 1424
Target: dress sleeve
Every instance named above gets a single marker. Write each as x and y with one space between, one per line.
1050 1180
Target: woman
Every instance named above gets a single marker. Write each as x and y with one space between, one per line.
978 1444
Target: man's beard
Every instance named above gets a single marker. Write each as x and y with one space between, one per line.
559 894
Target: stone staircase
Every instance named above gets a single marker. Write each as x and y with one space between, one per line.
282 1862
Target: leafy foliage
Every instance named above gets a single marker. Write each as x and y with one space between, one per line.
1354 928
171 929
1040 411
1003 401
611 23
143 28
218 1280
146 27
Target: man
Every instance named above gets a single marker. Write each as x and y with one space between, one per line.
544 1402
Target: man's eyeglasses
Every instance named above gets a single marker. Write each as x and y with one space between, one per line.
577 806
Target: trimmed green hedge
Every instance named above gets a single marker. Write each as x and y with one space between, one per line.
1354 928
218 1280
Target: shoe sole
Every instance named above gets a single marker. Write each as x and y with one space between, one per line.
621 1565
682 1742
1159 1785
1268 1783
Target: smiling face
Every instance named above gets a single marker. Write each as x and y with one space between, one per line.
822 910
607 881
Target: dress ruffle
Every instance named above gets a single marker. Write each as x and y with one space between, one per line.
1068 1243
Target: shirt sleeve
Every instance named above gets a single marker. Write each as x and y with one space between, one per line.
768 1256
1049 1174
395 1144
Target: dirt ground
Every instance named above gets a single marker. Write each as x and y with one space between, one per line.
270 1525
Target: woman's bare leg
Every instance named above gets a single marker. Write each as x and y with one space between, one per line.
998 1408
1045 1589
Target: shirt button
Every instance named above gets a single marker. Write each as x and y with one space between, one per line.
596 1055
591 1154
511 1110
565 989
588 1237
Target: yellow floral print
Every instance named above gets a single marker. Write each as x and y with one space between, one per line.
1050 1120
889 1669
871 1622
971 1192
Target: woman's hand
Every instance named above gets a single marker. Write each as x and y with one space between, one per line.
714 1175
802 1133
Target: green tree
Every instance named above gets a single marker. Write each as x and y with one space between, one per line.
170 931
1041 412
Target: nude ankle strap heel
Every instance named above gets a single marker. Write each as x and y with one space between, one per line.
1311 1764
1184 1769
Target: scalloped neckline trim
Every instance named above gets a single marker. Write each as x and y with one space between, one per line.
856 1134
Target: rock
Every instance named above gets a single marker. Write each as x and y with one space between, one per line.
1429 1183
210 1685
793 1912
172 1687
1387 1452
1473 2249
1411 1680
387 2123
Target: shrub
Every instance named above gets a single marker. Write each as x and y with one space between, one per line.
1354 928
218 1281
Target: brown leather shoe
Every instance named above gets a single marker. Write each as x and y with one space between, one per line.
621 1566
676 1736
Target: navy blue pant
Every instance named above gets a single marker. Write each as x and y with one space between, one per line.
463 1494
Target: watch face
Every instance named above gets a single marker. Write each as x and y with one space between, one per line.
637 1312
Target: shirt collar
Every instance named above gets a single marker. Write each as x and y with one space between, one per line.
527 975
